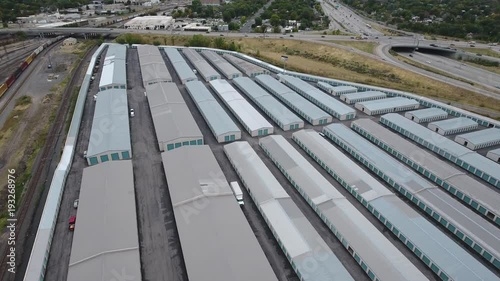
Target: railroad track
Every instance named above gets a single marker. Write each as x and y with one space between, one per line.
43 160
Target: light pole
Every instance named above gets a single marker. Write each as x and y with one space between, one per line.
284 59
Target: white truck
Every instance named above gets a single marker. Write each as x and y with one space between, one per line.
237 192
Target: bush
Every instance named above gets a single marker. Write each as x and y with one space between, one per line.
156 43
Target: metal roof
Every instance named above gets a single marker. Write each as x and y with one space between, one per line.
266 101
327 102
116 51
482 136
376 251
218 120
105 242
441 169
182 69
297 237
468 222
427 113
453 123
114 72
353 97
217 241
221 64
239 106
171 116
337 89
425 236
310 110
153 68
387 103
203 67
246 67
494 152
468 156
110 125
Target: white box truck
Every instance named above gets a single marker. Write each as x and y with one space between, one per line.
237 192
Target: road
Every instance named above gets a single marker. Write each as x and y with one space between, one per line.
348 20
247 26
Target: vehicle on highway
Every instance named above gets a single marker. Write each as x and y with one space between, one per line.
237 192
72 221
322 36
49 66
221 35
75 203
479 55
132 112
433 45
410 55
472 45
291 35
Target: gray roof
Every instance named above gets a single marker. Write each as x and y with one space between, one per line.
217 242
297 237
453 123
376 251
326 102
459 180
308 109
337 89
426 237
374 105
105 242
218 120
482 136
203 67
171 116
267 102
221 64
116 51
246 67
444 144
114 72
471 224
110 125
353 97
153 68
181 67
427 112
494 152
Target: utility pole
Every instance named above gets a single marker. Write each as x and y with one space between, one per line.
284 59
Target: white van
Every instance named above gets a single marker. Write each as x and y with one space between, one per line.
237 192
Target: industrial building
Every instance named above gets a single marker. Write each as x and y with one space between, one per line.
217 241
464 187
229 71
184 72
106 237
495 156
453 126
297 238
248 68
110 133
114 71
222 126
249 117
362 96
202 66
439 252
374 252
336 90
298 103
471 161
150 22
480 139
196 27
478 233
376 107
279 113
426 115
325 102
153 68
173 122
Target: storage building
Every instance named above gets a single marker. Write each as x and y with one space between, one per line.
219 122
249 117
229 71
426 115
362 96
149 22
297 238
382 106
478 233
480 139
358 235
173 122
473 162
184 72
114 70
436 249
202 66
495 156
217 241
110 133
325 102
452 126
153 68
279 113
105 238
336 90
250 69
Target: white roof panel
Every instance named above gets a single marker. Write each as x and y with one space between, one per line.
482 136
454 123
427 112
374 105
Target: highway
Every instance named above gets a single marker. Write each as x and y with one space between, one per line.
347 20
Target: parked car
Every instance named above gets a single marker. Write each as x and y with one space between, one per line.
291 35
321 134
72 221
132 112
75 203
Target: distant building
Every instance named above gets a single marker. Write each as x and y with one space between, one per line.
69 41
210 2
196 27
150 22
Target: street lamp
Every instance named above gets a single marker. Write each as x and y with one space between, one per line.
284 59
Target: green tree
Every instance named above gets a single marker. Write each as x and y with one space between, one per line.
258 21
275 20
220 43
243 19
